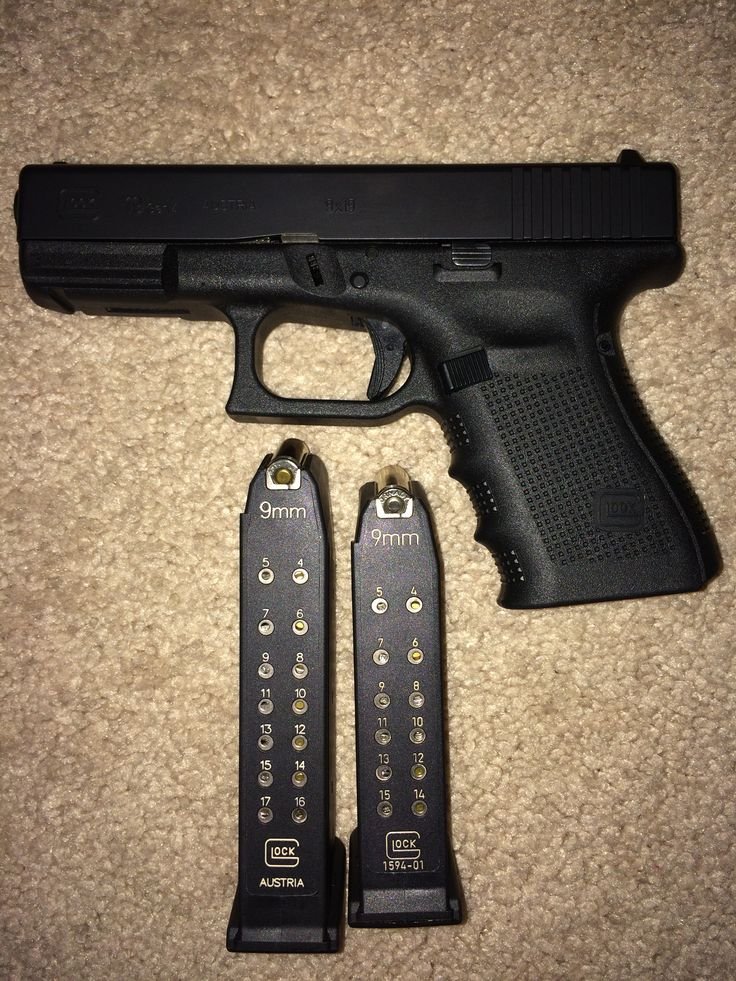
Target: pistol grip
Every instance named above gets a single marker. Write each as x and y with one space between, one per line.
576 494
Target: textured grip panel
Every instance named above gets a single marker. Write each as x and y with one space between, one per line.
565 450
573 493
661 450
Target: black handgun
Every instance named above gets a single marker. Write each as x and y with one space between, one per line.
502 284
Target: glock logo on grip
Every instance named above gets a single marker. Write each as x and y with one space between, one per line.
619 509
282 853
79 202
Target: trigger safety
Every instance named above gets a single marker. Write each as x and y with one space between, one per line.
388 347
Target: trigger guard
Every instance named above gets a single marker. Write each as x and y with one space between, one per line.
249 398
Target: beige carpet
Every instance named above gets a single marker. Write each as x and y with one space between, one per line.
592 749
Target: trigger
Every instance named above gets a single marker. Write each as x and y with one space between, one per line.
388 347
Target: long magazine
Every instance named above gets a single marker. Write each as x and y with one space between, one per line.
290 868
630 200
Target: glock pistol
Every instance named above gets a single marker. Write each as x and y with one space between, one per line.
502 285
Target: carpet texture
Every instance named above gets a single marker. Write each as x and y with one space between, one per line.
592 749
